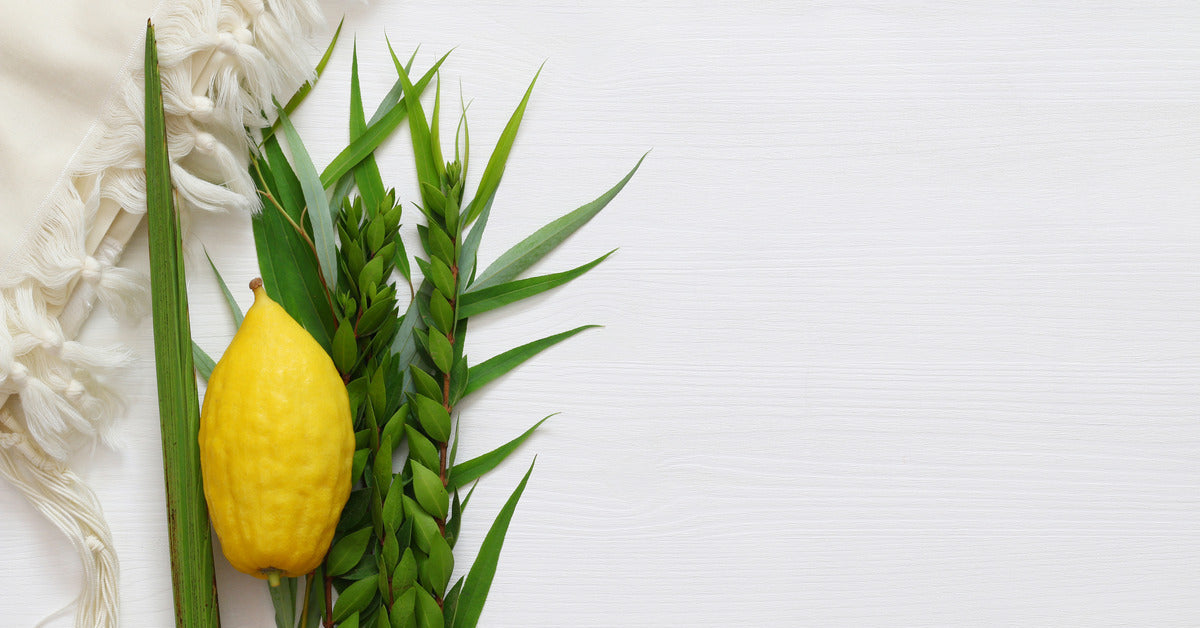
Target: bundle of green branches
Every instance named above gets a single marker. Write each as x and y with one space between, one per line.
330 252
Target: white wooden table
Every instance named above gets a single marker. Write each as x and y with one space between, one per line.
903 330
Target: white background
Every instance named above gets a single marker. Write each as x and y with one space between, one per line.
903 330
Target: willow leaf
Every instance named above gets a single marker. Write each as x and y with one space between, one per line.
466 472
469 253
427 172
528 251
204 364
283 598
494 170
318 204
286 261
483 571
192 572
307 87
479 301
374 135
366 174
494 367
234 308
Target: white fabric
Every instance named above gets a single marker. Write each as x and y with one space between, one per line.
73 183
58 63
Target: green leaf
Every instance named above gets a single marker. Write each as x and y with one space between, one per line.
393 506
437 567
466 472
204 364
470 249
442 277
428 490
454 521
354 598
234 308
359 463
479 579
283 598
366 174
441 312
429 614
494 170
375 133
307 87
425 383
460 377
450 603
401 261
528 251
441 352
348 551
421 449
350 622
391 556
403 608
495 367
190 544
435 142
479 301
427 172
440 245
394 429
345 348
424 527
286 259
382 467
318 203
406 571
314 599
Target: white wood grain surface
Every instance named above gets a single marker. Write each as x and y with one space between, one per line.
903 330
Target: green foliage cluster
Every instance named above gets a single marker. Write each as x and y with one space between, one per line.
330 252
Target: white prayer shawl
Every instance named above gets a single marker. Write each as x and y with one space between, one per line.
73 183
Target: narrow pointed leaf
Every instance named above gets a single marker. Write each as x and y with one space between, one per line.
308 86
419 131
234 308
315 199
499 365
287 261
374 135
283 598
204 364
471 470
478 301
467 255
314 599
494 171
479 579
528 251
366 174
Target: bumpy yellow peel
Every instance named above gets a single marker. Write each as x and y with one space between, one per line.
276 445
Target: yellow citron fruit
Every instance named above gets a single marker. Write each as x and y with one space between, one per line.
276 445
